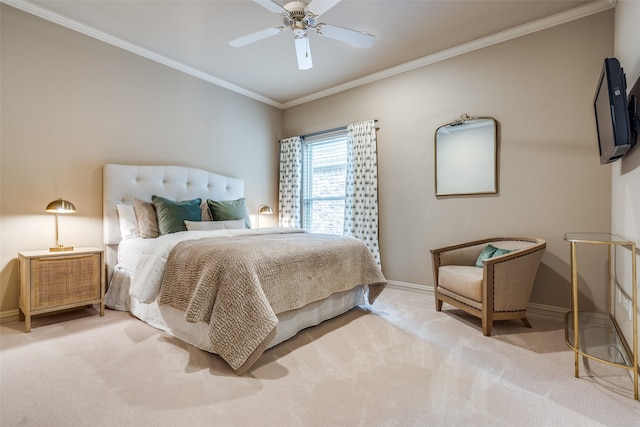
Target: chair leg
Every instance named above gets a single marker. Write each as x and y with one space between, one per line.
526 322
438 304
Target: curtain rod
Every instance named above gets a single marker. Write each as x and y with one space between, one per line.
328 131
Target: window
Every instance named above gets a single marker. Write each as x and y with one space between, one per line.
329 183
324 170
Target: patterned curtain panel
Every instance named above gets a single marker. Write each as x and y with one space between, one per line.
290 181
361 198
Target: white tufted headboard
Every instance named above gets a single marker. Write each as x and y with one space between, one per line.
123 183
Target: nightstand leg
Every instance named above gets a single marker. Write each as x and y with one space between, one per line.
26 318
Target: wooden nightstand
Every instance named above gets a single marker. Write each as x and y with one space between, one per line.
52 281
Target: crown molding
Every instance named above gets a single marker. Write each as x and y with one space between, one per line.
592 8
72 24
503 36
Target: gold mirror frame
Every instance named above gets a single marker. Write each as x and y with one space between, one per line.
466 157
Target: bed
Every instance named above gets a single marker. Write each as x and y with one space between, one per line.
209 279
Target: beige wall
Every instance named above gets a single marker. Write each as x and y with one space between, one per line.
71 103
540 89
626 172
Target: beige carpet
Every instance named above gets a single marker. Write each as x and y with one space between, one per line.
403 364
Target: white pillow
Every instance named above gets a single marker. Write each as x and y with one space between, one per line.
214 225
128 221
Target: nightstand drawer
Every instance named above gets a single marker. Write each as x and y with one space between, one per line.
65 280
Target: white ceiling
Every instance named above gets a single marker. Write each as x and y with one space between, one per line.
194 36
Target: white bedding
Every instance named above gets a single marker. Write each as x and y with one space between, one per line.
171 320
129 252
150 267
121 185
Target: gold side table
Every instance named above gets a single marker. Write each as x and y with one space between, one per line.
597 336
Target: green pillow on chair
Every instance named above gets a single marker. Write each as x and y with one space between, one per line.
489 252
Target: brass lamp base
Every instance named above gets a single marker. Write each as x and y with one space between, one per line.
61 249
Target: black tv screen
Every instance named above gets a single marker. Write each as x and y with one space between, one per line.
611 111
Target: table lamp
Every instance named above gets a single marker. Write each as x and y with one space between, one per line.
264 210
60 206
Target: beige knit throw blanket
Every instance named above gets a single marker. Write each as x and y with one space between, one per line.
239 284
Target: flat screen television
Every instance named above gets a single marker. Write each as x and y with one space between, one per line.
612 112
634 117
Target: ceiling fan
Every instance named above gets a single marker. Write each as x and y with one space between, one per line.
301 17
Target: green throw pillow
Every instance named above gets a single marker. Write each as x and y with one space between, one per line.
229 210
172 214
489 252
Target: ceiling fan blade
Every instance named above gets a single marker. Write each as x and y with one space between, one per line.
272 6
318 7
356 38
254 37
303 52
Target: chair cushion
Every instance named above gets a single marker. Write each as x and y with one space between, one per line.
462 279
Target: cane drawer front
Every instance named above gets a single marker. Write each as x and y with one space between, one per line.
58 281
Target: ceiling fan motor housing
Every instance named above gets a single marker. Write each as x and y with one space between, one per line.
299 18
296 10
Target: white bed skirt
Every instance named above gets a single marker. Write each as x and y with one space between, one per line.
172 320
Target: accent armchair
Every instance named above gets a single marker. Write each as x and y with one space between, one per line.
490 278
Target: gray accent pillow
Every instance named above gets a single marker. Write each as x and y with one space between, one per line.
147 220
229 210
172 214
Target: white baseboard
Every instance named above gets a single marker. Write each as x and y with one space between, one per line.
9 315
410 287
545 310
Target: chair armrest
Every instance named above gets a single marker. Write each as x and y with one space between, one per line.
459 254
509 278
516 254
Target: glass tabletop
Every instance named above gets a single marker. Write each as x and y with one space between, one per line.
606 238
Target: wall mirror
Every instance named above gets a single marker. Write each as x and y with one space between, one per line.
466 157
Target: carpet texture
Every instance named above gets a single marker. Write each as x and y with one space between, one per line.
400 364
